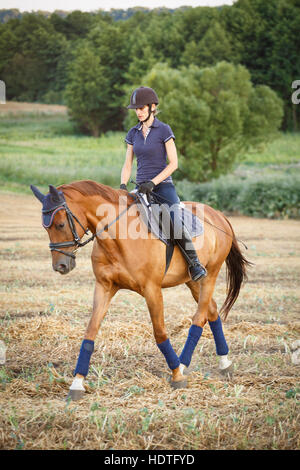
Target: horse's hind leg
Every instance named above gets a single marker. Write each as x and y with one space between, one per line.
215 324
154 299
202 296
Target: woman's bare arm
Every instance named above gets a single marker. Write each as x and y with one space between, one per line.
173 162
127 167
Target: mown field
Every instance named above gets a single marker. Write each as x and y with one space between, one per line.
129 403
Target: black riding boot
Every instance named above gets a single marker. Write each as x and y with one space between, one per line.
197 271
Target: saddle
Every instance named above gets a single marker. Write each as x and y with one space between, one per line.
157 218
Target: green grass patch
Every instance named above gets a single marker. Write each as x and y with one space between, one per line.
285 149
48 149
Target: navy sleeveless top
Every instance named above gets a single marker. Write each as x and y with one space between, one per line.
150 151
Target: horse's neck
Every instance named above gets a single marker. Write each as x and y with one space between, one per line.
99 211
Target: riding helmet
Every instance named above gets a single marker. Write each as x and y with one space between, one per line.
142 96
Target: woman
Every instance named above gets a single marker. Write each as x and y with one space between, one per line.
152 141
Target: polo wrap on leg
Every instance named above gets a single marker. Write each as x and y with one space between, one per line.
217 331
83 362
194 335
169 353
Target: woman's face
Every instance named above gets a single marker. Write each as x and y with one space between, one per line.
142 113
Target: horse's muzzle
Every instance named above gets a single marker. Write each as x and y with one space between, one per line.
64 264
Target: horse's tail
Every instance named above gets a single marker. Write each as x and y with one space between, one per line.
236 274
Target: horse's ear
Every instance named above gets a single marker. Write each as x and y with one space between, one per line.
37 193
54 193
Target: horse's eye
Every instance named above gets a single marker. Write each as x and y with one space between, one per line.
59 226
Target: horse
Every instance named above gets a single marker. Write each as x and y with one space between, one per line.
138 264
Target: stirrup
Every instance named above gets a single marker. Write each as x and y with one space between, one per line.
200 273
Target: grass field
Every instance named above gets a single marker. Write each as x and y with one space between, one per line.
129 403
43 148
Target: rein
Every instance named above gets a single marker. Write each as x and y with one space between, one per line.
76 239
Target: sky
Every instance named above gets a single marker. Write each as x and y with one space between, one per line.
93 5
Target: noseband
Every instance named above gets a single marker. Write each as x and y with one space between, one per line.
76 239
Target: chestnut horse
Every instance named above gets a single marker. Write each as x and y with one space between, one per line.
138 264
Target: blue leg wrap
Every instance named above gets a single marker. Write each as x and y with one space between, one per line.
194 335
169 353
86 350
217 331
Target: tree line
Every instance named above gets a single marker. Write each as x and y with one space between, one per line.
115 13
36 52
227 69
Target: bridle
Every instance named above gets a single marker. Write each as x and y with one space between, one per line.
76 239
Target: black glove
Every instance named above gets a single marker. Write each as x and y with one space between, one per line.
146 187
123 186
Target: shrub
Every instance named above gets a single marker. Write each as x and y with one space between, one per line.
272 198
275 197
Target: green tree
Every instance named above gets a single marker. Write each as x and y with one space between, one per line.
74 26
266 35
285 60
94 93
216 114
86 91
212 48
29 64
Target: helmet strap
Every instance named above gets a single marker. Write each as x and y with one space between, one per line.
149 113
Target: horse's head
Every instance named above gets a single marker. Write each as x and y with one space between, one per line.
63 226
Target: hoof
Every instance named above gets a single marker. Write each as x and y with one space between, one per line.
227 370
186 370
75 395
178 384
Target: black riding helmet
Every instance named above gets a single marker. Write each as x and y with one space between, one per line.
143 96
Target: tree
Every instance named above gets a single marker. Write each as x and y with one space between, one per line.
216 114
285 60
74 26
212 48
29 64
94 93
86 91
266 35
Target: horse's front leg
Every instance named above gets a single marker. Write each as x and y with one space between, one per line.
102 296
154 299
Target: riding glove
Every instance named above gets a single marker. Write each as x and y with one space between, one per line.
146 187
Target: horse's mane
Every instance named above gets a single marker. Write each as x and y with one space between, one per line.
92 188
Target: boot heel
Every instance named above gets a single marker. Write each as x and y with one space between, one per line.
197 272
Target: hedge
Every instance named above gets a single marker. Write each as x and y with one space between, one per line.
275 197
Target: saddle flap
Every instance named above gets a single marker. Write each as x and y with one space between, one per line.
157 218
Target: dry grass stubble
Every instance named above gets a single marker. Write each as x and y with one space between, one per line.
129 403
